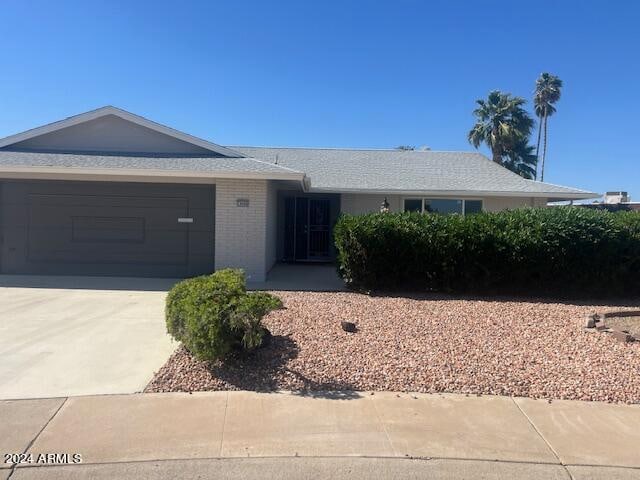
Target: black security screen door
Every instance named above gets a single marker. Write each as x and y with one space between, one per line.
307 229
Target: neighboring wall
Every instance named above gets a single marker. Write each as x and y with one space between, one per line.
241 232
364 203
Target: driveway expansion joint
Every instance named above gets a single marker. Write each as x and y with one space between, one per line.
224 423
30 444
386 432
543 438
537 431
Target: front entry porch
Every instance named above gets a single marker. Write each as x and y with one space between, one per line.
302 278
306 226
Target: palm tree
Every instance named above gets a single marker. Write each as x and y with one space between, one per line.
520 159
501 122
548 90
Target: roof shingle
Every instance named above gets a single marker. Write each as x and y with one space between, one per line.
404 171
211 164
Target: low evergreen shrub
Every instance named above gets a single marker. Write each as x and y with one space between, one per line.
214 316
560 250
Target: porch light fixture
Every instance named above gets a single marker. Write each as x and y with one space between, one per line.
384 207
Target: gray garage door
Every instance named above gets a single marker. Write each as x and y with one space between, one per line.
99 228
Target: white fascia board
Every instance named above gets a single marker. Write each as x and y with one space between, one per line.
109 110
462 193
41 172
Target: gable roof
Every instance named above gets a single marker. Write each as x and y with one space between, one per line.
211 161
123 114
318 169
408 172
144 165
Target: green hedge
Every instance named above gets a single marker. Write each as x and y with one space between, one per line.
563 250
214 315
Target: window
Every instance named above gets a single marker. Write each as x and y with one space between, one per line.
413 205
443 205
472 206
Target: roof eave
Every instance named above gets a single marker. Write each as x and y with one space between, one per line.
463 193
44 172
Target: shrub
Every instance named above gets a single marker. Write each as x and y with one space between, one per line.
534 251
214 315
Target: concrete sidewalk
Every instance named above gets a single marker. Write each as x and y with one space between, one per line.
293 436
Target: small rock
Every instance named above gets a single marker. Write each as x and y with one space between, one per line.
348 326
600 325
590 321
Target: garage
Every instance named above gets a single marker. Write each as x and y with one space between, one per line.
111 193
106 228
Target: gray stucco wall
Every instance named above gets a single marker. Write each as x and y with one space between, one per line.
109 134
496 204
358 204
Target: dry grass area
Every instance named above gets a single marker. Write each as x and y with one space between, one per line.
433 344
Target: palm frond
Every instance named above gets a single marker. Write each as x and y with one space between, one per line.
521 159
547 93
501 122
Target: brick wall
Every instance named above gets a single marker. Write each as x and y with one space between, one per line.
241 238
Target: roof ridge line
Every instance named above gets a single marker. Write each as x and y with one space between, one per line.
274 164
357 149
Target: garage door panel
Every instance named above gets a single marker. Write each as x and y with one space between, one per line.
109 201
90 228
201 243
113 257
112 269
58 216
47 245
107 229
14 218
202 220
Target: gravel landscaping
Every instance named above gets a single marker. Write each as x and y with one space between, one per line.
430 344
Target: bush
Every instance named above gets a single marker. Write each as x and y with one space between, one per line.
213 315
562 250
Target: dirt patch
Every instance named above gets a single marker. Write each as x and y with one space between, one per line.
430 344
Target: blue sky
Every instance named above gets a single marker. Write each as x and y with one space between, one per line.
342 74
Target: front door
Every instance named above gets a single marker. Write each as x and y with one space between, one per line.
307 229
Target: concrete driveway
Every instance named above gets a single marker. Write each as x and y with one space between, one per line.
62 336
